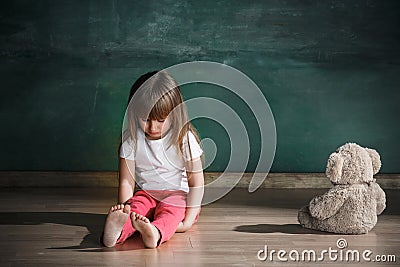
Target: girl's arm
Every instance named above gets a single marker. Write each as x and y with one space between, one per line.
195 195
126 180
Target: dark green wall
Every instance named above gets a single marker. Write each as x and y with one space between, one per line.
329 70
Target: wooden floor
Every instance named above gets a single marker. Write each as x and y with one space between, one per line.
55 227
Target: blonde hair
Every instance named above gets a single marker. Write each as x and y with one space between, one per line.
156 95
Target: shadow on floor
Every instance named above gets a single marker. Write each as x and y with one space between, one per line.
94 223
277 228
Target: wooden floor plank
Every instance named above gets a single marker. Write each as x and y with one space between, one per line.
56 227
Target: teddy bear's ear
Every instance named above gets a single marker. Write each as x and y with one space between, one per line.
334 167
375 158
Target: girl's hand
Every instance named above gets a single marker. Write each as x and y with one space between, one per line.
183 227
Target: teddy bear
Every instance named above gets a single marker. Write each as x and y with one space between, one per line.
351 206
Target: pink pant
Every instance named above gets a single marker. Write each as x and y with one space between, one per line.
165 209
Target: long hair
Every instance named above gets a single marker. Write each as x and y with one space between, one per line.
156 95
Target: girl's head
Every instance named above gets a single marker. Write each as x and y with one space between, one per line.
156 106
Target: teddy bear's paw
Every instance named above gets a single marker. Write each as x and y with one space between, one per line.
303 217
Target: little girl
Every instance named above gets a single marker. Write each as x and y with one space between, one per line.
160 153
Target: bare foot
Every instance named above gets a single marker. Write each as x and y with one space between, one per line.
115 221
149 232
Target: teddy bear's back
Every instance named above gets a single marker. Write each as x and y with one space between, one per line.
358 210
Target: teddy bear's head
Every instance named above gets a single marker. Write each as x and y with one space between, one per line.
352 163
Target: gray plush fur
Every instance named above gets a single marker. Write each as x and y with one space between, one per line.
352 205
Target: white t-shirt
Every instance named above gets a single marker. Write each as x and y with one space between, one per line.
159 166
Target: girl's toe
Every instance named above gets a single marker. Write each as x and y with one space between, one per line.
127 209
